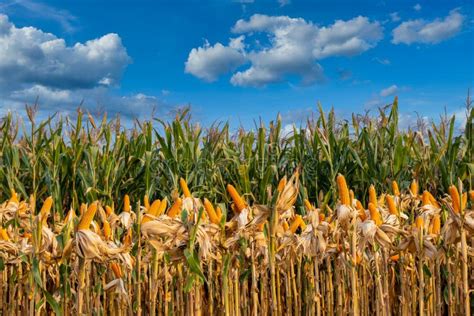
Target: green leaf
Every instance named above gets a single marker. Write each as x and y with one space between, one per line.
193 264
37 273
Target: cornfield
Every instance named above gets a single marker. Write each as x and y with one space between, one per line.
168 218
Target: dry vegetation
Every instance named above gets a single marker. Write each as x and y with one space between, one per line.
169 219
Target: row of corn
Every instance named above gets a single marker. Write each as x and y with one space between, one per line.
406 252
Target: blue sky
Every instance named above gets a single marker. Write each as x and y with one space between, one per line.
236 60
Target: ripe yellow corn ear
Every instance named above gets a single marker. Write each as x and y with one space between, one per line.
453 191
419 222
184 187
108 210
361 210
281 184
82 209
4 234
285 226
175 208
211 211
126 203
13 197
219 213
392 208
433 200
154 207
464 200
162 208
414 187
238 201
435 225
308 205
87 217
471 196
116 270
297 222
373 195
344 196
395 189
46 208
302 224
146 202
425 199
375 214
107 230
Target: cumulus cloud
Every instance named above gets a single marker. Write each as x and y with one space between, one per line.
294 48
29 56
417 7
209 62
393 89
422 31
39 66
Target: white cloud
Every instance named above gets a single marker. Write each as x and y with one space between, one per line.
208 62
347 38
29 56
393 89
294 48
38 66
421 31
36 91
394 17
417 7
